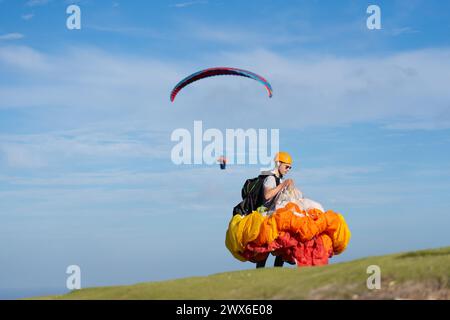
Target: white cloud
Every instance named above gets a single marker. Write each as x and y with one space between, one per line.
128 31
164 178
82 146
398 90
34 3
22 58
326 174
325 90
17 156
241 37
420 125
188 3
114 189
401 31
120 190
11 36
27 16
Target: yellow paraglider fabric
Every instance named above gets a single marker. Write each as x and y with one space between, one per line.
241 231
341 236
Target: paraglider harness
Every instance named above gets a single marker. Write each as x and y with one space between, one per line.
253 194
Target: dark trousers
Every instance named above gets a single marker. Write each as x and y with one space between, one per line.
278 262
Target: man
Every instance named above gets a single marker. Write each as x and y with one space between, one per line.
274 184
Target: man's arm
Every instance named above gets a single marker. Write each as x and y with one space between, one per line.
270 193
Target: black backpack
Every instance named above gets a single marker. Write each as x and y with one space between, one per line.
252 195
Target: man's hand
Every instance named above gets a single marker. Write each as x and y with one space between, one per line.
289 183
270 193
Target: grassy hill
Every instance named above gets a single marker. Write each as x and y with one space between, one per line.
413 275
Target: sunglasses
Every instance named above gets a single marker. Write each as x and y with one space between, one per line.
288 167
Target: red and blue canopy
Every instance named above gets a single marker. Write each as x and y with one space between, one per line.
218 72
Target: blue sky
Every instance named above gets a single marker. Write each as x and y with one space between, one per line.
85 121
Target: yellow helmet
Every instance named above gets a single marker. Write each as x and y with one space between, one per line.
283 157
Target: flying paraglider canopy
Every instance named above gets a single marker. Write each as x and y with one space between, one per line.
218 72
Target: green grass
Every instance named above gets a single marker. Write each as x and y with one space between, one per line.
413 275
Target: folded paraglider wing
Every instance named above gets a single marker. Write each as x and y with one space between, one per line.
303 237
